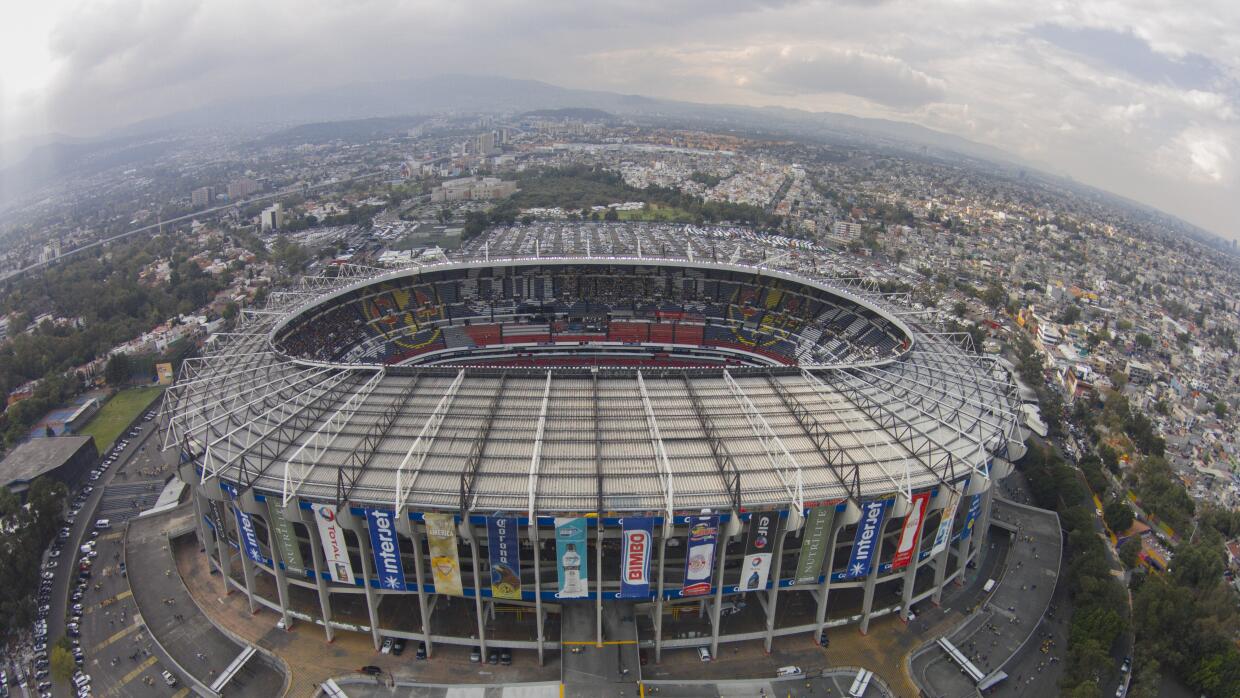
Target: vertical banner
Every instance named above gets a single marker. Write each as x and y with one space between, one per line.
247 537
865 545
910 535
700 555
445 562
334 548
944 534
217 516
814 542
635 558
570 558
970 517
385 547
285 538
763 526
505 557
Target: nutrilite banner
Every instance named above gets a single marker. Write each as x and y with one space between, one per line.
570 558
700 555
445 563
970 517
635 556
334 548
386 548
505 554
763 525
910 535
814 542
865 545
944 534
286 539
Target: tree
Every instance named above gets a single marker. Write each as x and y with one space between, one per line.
1130 551
994 295
118 369
1071 313
62 664
1144 340
1220 409
1117 515
611 215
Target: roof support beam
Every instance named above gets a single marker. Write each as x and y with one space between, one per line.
785 465
728 471
828 448
469 474
348 475
299 465
421 446
536 457
656 439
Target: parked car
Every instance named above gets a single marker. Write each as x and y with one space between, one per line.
475 655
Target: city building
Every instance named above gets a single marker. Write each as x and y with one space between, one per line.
201 197
242 187
272 217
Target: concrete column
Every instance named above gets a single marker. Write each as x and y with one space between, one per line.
824 590
538 610
598 581
910 580
468 529
200 526
356 524
658 602
871 580
772 596
404 524
320 563
721 555
281 575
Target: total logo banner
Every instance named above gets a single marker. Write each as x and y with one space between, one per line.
635 562
759 547
386 548
869 531
338 565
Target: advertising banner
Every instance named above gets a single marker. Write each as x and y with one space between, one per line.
700 555
910 535
217 516
505 554
763 526
944 534
163 373
334 549
385 547
570 558
249 537
814 542
445 563
970 517
865 545
635 558
286 539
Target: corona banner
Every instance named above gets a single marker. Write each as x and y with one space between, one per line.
970 517
505 557
445 563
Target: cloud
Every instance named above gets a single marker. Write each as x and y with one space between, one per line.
1198 154
882 79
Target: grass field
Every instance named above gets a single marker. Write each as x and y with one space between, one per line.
117 413
657 212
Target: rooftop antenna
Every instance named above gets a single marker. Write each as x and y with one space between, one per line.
639 248
587 247
537 249
486 250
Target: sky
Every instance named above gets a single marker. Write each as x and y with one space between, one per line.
1138 97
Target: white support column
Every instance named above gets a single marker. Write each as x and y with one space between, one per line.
403 523
280 574
472 541
871 580
372 603
772 596
320 564
824 590
598 580
538 609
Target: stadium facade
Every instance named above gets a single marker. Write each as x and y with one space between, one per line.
459 452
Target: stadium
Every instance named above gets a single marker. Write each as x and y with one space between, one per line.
740 438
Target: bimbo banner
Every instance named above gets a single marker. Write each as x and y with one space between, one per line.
445 562
944 534
505 556
814 542
970 517
700 555
570 558
635 559
910 535
338 565
865 545
763 526
386 548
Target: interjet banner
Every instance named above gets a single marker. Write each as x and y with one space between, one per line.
700 555
944 534
249 537
386 548
970 517
763 526
570 558
910 535
334 549
505 556
814 542
865 545
635 560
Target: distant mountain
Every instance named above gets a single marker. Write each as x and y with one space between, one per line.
581 113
